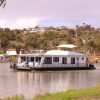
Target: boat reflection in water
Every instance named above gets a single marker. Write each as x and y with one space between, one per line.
32 83
40 83
37 83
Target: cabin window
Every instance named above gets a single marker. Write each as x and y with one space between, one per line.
38 59
82 58
64 60
48 60
32 59
73 60
55 59
23 59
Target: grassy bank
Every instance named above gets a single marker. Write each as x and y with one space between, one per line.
81 94
14 98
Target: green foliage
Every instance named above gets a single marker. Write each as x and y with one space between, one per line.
97 41
82 94
79 94
1 51
85 37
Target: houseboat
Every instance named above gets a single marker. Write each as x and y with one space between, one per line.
52 60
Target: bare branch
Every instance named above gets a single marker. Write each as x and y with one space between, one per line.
2 3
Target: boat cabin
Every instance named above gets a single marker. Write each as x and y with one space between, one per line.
53 58
61 58
29 60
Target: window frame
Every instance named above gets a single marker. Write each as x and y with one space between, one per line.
32 59
64 60
55 59
72 60
46 61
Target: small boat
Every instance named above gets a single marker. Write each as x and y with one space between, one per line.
52 60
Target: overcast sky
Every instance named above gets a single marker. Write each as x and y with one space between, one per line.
28 13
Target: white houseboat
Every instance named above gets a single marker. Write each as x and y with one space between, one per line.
52 60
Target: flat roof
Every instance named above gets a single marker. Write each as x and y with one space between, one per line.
1 55
54 53
62 52
67 46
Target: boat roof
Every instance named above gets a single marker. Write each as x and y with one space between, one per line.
54 53
31 55
63 53
67 46
1 55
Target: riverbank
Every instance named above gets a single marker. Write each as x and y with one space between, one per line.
79 94
82 94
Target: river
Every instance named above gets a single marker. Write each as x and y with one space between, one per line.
31 84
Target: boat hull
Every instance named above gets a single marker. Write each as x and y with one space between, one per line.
61 68
52 68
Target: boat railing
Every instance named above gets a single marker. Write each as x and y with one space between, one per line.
37 52
64 65
55 65
13 64
38 64
32 54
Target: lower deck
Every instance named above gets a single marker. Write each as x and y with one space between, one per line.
43 68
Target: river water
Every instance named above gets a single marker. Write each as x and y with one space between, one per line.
31 84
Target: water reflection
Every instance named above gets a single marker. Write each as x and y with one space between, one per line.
31 84
37 83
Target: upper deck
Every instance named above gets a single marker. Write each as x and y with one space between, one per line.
33 53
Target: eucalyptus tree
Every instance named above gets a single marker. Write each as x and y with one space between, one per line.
97 41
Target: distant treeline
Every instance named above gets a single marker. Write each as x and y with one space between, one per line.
85 37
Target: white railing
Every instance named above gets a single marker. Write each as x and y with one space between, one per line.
37 64
41 65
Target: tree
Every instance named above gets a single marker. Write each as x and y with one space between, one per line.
97 41
2 3
78 42
4 43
